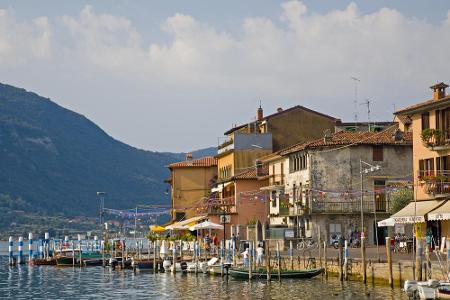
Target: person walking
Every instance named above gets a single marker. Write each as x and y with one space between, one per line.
245 256
259 255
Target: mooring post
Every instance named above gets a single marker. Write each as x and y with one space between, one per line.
427 267
389 260
269 275
340 261
325 257
291 255
30 248
73 253
363 258
10 251
233 252
47 244
346 260
250 260
20 250
279 261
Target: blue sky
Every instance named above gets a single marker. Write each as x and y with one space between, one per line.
174 75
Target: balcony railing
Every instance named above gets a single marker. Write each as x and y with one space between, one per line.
221 206
436 139
225 143
276 179
435 183
369 206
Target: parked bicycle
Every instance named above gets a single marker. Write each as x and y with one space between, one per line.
307 243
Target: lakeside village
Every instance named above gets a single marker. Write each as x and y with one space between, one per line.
287 188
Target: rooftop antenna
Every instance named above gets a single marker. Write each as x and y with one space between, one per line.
367 103
355 101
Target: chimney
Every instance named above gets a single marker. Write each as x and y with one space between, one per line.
327 136
188 156
259 114
259 167
439 90
279 109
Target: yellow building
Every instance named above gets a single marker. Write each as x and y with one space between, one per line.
430 124
191 182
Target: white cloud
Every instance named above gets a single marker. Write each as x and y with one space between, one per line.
303 57
21 42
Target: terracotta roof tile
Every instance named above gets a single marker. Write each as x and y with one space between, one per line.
250 173
344 138
207 161
405 119
423 104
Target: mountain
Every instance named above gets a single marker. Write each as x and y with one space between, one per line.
53 161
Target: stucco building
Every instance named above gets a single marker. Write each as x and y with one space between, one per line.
321 190
191 182
429 122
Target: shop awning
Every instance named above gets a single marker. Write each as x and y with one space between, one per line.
185 224
440 213
415 211
387 222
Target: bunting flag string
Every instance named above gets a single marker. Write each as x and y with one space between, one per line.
131 213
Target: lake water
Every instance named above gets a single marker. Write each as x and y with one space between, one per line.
48 282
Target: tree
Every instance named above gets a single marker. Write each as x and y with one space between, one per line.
400 199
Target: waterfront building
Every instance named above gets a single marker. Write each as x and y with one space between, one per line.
316 186
239 153
429 122
190 182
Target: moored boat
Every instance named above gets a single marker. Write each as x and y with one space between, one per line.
243 273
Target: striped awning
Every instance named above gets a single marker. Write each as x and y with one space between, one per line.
440 213
415 211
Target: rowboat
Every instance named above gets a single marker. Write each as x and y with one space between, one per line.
242 273
44 262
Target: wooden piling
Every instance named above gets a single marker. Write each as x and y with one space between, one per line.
346 260
325 257
174 254
340 261
250 260
418 264
363 259
389 260
279 261
155 264
268 262
291 255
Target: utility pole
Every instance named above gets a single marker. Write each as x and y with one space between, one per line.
355 100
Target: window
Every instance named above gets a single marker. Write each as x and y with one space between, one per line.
274 199
425 120
377 153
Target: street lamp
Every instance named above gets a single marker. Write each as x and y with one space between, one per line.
370 169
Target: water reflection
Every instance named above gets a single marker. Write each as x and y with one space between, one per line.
46 282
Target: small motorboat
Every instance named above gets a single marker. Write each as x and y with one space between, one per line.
44 261
243 273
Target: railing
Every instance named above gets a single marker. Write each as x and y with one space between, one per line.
226 143
276 179
369 206
433 138
435 183
220 206
298 211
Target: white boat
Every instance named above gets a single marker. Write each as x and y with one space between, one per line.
431 289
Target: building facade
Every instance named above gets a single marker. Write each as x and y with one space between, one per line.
322 186
430 124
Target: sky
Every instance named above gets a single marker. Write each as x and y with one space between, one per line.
175 75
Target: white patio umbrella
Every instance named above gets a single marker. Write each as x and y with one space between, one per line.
176 227
387 222
206 225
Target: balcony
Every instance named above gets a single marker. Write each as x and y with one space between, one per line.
436 139
221 206
298 211
276 180
349 207
246 141
435 184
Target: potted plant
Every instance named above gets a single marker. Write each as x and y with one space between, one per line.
437 136
426 136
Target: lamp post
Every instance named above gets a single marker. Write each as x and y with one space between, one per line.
370 169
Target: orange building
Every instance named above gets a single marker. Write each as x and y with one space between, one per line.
191 182
430 124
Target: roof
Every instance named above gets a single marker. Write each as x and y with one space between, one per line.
364 123
423 105
250 173
343 138
439 85
278 113
271 157
406 120
207 161
416 211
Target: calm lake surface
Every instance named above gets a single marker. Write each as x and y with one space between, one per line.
47 282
